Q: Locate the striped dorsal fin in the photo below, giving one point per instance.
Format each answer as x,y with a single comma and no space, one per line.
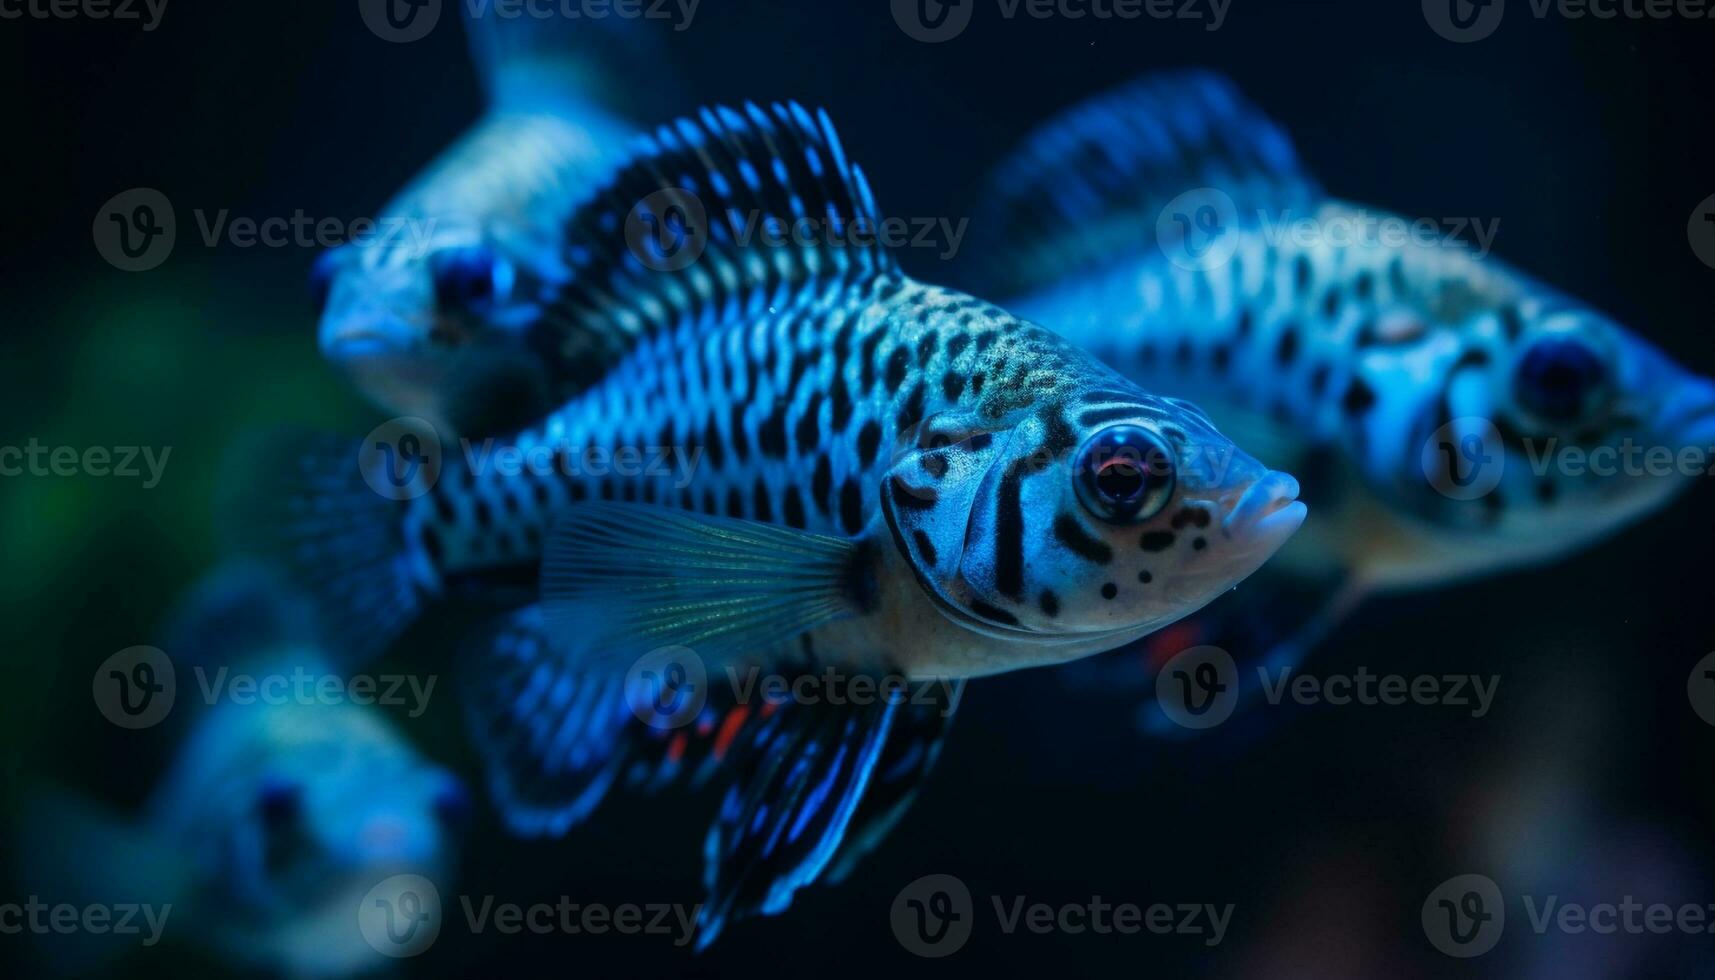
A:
718,218
1088,187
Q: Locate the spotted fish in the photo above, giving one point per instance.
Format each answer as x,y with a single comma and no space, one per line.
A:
275,818
1423,391
876,476
458,321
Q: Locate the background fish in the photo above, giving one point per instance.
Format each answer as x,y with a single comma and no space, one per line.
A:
274,820
1153,225
456,319
883,476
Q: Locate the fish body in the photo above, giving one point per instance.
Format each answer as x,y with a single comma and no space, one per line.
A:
802,459
1423,390
275,817
451,314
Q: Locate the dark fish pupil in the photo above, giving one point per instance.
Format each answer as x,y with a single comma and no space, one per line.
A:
1120,481
1557,379
464,277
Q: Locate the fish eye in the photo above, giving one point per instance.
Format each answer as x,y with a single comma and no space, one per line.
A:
1560,381
470,277
278,802
1124,474
321,278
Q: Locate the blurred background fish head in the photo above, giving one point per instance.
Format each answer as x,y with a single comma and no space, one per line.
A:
1555,427
1084,521
438,314
334,801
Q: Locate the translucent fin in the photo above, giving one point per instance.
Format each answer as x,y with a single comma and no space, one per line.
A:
299,502
912,748
550,736
779,827
621,580
556,741
240,612
1087,187
569,65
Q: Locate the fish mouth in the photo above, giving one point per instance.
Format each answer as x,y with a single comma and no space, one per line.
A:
1267,507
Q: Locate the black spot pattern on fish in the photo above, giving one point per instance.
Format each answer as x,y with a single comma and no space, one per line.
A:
952,385
851,506
1286,350
740,441
771,434
764,502
1359,398
809,425
1049,603
1157,540
714,448
992,614
898,363
868,443
1110,591
1070,533
925,547
792,508
840,404
822,484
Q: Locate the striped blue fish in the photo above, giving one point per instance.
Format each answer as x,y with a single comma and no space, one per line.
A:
867,474
1428,392
457,321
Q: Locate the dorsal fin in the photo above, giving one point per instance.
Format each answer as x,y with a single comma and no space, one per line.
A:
678,236
563,64
1087,187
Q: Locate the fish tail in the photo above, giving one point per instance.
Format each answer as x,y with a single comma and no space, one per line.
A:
300,502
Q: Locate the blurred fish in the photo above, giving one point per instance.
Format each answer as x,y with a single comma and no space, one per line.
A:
1426,394
872,474
468,330
273,821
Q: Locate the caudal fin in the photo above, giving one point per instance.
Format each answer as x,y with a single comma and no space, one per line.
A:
300,502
